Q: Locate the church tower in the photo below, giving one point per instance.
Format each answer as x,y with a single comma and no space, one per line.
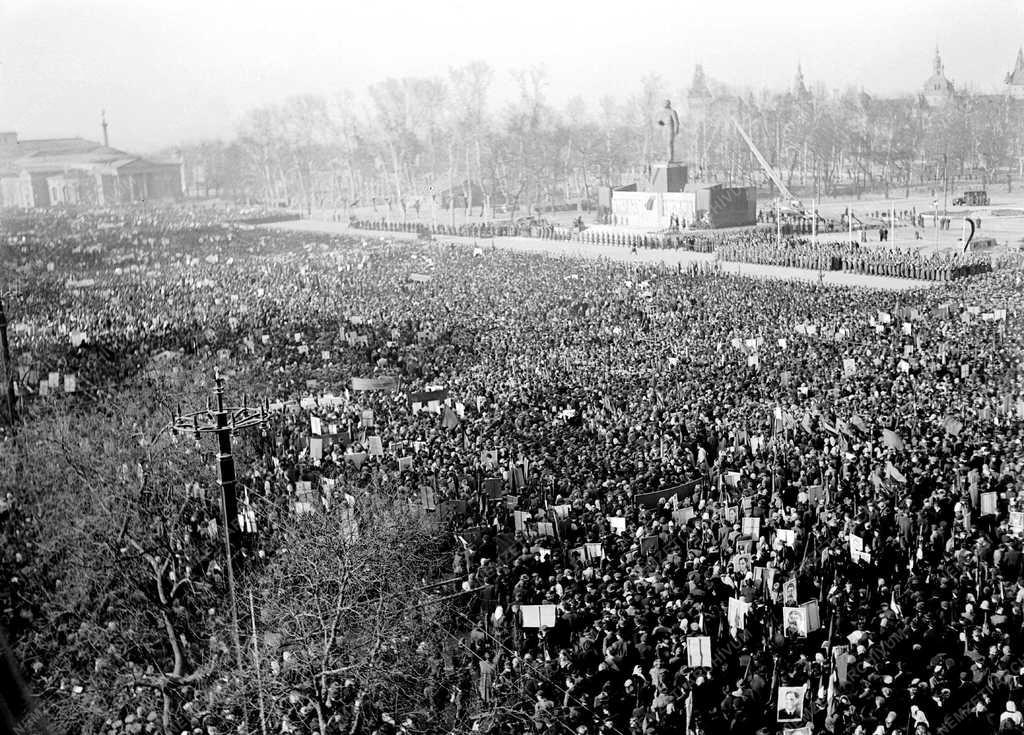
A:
1015,79
938,91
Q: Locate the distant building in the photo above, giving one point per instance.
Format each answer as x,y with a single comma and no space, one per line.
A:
937,91
800,91
699,97
1015,79
704,110
58,171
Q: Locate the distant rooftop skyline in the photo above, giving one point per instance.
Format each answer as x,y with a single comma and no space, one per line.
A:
169,73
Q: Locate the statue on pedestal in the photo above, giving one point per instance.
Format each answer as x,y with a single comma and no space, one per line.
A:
669,119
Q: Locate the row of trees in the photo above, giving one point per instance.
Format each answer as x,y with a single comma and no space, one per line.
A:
422,141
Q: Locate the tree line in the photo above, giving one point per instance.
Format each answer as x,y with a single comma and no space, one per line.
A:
442,143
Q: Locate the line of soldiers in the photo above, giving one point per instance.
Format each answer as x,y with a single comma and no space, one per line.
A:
659,240
901,265
850,257
473,229
809,255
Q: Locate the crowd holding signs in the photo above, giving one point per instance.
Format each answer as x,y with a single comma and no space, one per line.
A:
710,504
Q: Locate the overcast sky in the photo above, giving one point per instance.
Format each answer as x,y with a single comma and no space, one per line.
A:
180,70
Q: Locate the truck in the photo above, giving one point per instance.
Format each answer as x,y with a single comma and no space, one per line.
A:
972,199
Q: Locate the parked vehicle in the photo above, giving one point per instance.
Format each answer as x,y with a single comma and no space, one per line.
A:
972,199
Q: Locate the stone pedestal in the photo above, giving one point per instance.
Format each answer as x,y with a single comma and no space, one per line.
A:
669,177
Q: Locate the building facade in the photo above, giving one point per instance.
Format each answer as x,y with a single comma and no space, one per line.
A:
75,171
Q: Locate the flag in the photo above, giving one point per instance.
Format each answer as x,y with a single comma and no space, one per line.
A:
952,425
893,440
858,423
894,473
450,420
895,605
830,697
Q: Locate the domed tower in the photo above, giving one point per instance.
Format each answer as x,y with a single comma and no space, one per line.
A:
938,90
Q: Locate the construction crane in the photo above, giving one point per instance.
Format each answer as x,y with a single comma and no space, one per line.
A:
769,170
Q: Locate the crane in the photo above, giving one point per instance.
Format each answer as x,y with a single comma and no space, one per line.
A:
768,169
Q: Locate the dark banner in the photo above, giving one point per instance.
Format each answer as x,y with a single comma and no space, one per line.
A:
684,491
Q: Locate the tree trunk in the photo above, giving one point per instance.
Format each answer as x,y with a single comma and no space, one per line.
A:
179,664
467,187
396,168
451,184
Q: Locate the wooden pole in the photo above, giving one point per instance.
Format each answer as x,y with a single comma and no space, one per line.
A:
259,674
5,363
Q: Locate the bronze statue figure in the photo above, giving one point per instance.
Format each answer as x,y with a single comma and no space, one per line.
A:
669,119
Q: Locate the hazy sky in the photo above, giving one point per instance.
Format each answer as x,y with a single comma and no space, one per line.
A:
179,70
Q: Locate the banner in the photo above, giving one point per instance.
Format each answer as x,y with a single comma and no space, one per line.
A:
384,382
685,490
426,396
538,616
698,651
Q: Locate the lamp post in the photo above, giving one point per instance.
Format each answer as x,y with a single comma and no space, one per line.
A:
778,224
223,421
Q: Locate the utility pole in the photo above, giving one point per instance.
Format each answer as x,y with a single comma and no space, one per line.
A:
5,363
945,183
223,421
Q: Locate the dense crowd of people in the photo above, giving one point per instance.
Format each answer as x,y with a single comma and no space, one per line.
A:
674,501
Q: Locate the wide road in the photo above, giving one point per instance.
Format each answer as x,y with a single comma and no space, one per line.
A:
571,248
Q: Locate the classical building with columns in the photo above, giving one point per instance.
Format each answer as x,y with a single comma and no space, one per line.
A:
72,171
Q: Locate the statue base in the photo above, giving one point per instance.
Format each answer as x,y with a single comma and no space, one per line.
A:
668,177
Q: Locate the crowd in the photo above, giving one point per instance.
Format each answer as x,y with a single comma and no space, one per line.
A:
676,501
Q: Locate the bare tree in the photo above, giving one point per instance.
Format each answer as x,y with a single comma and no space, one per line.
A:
340,604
